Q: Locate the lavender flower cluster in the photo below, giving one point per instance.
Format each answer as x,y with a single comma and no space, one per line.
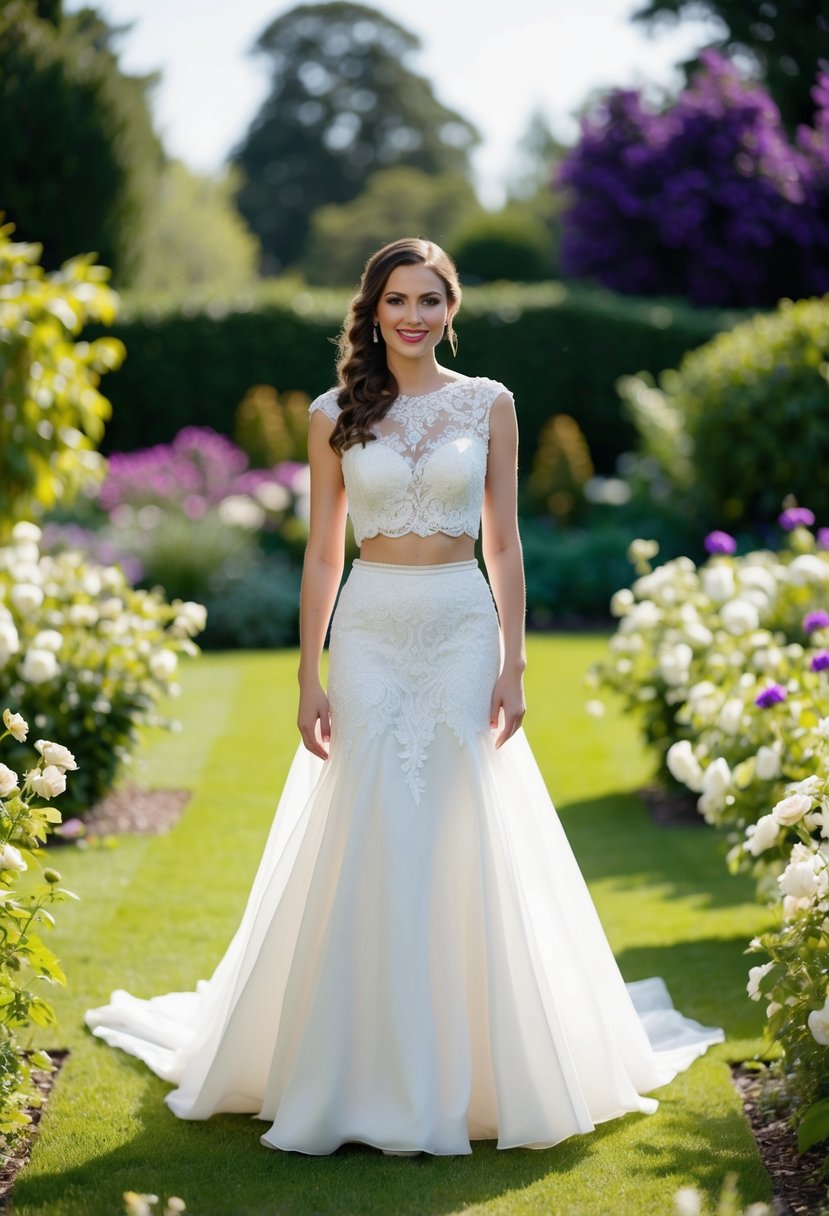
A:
708,199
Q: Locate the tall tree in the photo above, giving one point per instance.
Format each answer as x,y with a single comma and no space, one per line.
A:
80,160
343,104
785,41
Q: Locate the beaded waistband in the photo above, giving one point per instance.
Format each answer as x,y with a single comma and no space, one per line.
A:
431,568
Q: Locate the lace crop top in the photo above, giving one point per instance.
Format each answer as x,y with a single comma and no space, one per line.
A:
425,470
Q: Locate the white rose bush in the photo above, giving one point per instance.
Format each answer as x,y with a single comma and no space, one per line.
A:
728,664
26,962
87,658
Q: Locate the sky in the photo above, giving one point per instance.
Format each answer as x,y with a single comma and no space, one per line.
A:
494,61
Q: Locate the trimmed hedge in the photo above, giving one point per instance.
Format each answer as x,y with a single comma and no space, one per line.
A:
560,348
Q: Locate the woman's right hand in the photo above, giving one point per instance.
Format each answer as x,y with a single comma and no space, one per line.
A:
313,709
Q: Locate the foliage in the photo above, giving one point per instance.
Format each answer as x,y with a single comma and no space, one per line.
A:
66,105
571,572
511,245
707,199
51,413
199,239
540,339
86,657
786,43
26,962
257,609
343,103
401,199
722,426
561,469
271,429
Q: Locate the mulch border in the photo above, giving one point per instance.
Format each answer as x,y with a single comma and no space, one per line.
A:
14,1162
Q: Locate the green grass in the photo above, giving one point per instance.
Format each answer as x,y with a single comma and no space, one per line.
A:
156,914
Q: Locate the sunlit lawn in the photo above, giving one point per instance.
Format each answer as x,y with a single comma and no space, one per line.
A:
157,913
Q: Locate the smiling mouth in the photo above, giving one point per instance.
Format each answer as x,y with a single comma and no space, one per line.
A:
412,335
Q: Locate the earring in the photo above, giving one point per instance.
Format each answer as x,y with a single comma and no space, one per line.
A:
374,337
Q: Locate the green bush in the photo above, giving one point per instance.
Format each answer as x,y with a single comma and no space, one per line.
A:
745,420
259,610
560,348
511,245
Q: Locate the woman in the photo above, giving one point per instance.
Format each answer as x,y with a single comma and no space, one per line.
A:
419,963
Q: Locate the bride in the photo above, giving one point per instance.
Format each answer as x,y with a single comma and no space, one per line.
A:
419,964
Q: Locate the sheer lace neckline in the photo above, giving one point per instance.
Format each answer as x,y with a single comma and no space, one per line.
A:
432,392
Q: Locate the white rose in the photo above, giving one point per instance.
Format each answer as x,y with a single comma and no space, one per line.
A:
47,639
56,753
767,764
731,716
26,533
758,578
82,614
808,568
698,692
50,782
38,666
809,785
9,641
755,975
790,810
240,511
26,597
644,615
818,1022
792,905
697,633
762,834
8,780
739,617
642,550
823,728
91,583
621,602
798,879
11,859
718,582
16,724
191,617
715,782
595,708
674,663
163,664
684,766
687,1201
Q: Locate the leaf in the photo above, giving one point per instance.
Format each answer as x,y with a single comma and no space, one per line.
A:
814,1126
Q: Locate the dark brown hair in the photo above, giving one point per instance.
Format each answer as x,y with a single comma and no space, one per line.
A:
367,385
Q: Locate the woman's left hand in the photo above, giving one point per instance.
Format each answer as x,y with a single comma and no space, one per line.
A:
507,696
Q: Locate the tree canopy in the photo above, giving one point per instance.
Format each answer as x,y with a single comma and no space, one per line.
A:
785,41
343,104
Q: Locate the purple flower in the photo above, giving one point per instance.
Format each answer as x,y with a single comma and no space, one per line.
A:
823,538
815,620
720,542
773,695
796,517
820,661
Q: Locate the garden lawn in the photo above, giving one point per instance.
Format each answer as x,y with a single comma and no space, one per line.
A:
156,914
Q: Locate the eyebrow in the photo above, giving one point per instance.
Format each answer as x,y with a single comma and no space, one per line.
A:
435,291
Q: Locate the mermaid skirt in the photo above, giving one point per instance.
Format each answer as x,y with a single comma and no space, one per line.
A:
419,963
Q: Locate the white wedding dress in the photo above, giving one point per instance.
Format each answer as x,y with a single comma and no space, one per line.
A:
420,963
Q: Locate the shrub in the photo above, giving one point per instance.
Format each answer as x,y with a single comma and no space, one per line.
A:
271,429
255,610
86,657
52,415
26,962
512,245
707,199
745,419
561,469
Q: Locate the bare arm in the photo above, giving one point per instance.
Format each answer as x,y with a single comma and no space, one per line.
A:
505,563
321,573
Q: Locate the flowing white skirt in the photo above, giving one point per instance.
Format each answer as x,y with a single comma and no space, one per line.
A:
420,963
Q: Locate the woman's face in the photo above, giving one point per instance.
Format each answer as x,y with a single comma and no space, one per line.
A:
412,311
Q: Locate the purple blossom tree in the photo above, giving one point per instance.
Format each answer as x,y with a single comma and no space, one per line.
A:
708,199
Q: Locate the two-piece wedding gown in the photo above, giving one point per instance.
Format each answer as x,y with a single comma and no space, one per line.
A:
420,963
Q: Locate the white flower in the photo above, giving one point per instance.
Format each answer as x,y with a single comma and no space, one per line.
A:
642,550
621,602
792,905
762,834
739,617
700,691
191,618
718,582
38,666
273,497
759,578
755,975
9,641
716,779
697,633
16,724
790,810
767,763
809,785
49,782
595,708
684,766
808,568
674,663
26,597
731,716
238,510
163,664
823,728
11,859
8,780
799,879
55,753
818,1022
82,614
644,615
26,533
48,639
687,1201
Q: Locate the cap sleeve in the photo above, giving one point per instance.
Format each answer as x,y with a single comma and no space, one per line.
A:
327,402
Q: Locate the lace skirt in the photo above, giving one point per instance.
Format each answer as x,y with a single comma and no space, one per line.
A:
420,963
